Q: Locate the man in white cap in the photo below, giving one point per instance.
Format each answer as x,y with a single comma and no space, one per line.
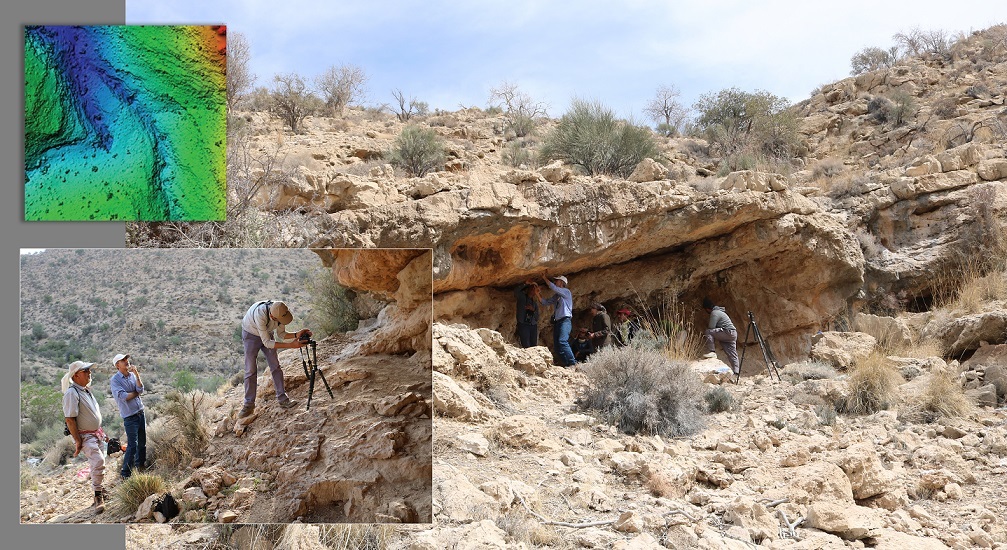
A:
562,320
126,389
83,419
264,328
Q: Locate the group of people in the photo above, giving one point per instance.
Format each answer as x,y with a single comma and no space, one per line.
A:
83,419
586,340
263,328
601,333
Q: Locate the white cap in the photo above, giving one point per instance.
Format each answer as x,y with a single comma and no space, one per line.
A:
72,370
561,278
119,357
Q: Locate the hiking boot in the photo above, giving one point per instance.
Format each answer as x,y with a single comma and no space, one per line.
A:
99,502
710,355
288,403
246,410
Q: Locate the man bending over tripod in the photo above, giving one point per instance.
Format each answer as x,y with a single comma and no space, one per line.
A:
262,321
722,330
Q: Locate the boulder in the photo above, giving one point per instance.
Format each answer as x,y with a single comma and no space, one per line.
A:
842,350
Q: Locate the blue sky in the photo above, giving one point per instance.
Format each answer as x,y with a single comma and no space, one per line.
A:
451,53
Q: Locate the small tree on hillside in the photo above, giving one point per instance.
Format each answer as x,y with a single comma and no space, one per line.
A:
667,113
735,121
408,108
418,150
239,77
871,59
340,86
519,107
591,137
291,99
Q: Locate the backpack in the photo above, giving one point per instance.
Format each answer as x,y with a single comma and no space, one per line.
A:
167,505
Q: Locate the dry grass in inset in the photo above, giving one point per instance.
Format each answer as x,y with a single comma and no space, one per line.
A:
943,398
670,324
659,485
922,349
352,537
131,493
873,386
796,373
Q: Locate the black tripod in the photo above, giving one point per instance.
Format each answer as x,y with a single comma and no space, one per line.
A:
767,353
309,362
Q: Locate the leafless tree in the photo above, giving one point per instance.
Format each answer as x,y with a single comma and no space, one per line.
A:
519,107
239,78
918,42
341,85
292,101
407,108
666,111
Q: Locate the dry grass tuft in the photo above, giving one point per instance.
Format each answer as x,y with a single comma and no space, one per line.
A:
353,537
660,486
131,493
943,398
873,386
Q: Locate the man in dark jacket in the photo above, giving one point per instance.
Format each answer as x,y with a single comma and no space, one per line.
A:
722,330
601,327
527,313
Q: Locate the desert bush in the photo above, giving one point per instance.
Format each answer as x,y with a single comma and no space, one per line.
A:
942,398
184,381
718,400
418,150
406,109
868,243
669,328
848,186
520,108
135,489
45,439
795,373
340,86
291,100
517,153
331,303
41,407
826,414
590,137
239,76
166,448
734,121
184,415
642,391
29,480
871,59
918,42
827,168
665,110
352,537
872,386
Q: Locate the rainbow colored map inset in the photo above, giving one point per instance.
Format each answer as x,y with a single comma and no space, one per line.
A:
125,123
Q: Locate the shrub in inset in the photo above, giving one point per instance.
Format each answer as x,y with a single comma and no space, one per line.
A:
58,453
345,537
589,136
331,303
418,150
871,59
517,153
642,391
872,386
131,493
184,415
719,400
41,406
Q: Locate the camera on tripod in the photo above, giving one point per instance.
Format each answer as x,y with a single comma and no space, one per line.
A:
309,362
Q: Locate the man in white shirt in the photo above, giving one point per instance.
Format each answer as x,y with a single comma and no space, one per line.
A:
264,328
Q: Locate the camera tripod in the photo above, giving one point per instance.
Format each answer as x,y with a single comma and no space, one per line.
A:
767,353
309,362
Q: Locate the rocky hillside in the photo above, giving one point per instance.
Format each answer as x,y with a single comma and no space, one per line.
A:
865,218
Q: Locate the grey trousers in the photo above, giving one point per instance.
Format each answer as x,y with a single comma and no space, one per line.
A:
728,341
252,346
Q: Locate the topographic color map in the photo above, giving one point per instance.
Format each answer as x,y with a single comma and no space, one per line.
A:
125,123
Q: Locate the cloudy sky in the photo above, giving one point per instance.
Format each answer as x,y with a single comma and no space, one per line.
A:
451,53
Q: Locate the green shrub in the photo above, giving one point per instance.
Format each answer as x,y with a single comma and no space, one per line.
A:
42,406
516,153
185,381
589,136
641,391
418,150
719,400
871,59
183,413
734,121
331,303
826,414
131,493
